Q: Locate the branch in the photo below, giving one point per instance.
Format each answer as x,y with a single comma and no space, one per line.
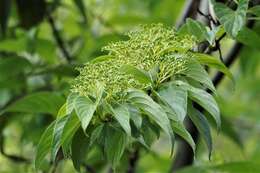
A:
189,11
132,162
14,158
60,42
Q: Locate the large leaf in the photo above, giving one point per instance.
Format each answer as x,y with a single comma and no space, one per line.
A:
85,109
79,149
115,143
176,98
122,115
204,99
152,109
70,103
57,134
233,21
197,72
135,116
202,125
70,128
213,62
180,130
44,146
41,102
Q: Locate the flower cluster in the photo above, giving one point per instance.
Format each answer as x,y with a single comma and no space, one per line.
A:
147,47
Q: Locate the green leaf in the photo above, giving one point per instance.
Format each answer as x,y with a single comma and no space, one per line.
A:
180,129
238,167
121,114
70,128
85,109
152,109
44,146
18,65
202,125
70,103
102,58
176,98
197,29
227,128
197,72
96,133
57,134
233,21
249,37
135,116
214,63
204,99
255,10
41,102
79,147
115,143
139,74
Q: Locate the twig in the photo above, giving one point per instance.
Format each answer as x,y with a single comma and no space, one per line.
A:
58,39
189,10
88,168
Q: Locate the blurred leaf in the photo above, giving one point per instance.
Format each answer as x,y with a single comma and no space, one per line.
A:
249,37
238,167
14,45
41,102
255,10
17,64
227,128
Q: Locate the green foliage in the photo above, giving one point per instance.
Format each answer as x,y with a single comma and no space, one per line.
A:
144,80
233,21
131,93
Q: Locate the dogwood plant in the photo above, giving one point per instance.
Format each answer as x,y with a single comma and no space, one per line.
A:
143,87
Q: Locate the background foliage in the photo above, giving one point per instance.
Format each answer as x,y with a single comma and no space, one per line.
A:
42,42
